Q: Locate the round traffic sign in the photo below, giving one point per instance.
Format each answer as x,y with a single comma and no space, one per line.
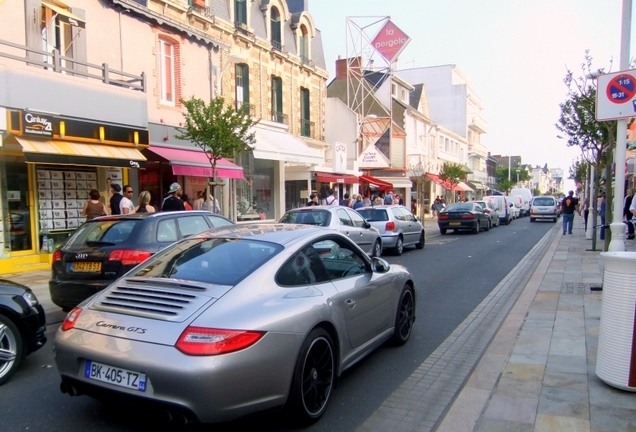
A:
621,89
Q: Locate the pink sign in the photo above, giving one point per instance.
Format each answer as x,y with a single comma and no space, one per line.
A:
390,41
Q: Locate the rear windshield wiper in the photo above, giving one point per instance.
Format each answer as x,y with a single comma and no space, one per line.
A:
99,243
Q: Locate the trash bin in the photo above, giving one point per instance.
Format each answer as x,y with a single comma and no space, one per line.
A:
616,357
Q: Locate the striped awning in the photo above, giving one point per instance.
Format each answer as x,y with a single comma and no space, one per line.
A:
73,153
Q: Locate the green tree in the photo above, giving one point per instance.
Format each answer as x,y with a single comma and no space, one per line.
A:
501,177
218,129
578,173
536,192
452,174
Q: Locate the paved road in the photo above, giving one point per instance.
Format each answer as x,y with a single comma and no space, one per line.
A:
454,273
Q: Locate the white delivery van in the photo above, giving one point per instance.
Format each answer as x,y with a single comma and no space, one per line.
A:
503,207
526,196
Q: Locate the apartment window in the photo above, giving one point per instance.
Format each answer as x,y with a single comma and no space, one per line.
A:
166,72
277,99
242,86
302,42
275,29
240,12
393,90
305,124
62,30
404,99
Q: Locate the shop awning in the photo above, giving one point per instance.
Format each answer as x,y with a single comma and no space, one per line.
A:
195,163
335,178
476,184
72,153
282,146
460,187
64,15
398,182
376,182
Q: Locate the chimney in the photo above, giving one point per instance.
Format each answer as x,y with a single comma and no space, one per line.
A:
341,67
298,5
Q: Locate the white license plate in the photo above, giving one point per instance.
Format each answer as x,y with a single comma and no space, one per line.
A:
116,376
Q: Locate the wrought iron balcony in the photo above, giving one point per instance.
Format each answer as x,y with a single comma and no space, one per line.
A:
277,46
307,128
306,60
206,11
247,108
280,117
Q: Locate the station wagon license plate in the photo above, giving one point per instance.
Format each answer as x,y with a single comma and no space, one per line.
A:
455,223
86,267
114,375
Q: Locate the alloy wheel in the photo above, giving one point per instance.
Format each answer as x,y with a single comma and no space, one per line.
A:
317,376
9,349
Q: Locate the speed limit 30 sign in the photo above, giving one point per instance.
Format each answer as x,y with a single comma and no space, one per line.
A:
616,96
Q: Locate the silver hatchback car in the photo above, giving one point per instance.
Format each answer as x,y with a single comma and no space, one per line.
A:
544,207
397,225
343,219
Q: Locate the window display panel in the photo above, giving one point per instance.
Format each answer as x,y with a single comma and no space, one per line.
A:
61,197
255,196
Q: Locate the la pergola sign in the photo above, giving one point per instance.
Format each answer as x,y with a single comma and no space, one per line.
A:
390,41
616,96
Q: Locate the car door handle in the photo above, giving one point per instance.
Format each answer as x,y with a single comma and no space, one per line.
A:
349,304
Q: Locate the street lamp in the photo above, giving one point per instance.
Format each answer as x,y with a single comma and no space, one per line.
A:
518,171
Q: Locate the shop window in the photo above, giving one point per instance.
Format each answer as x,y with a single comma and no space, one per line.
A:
255,194
14,187
242,87
277,100
167,72
275,29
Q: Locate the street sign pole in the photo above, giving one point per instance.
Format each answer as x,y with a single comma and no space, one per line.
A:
618,227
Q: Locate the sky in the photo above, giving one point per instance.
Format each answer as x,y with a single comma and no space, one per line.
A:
515,55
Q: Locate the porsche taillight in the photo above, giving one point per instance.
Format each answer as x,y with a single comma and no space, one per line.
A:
71,319
203,341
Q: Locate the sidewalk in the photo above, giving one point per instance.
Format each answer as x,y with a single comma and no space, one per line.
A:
538,372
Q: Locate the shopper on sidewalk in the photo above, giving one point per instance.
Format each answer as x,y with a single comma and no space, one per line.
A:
568,206
628,214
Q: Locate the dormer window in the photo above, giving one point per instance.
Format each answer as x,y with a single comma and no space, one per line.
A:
303,41
275,29
240,12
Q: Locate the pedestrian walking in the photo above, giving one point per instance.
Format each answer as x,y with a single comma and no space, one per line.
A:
185,200
198,203
628,214
143,204
358,202
331,199
173,202
126,205
115,199
569,205
94,207
313,200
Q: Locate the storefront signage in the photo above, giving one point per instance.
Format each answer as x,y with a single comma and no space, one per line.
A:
35,124
339,157
372,158
390,41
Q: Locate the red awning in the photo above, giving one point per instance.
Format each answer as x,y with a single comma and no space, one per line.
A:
336,178
446,184
196,163
372,181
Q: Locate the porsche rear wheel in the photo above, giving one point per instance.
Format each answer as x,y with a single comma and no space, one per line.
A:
404,317
314,377
10,348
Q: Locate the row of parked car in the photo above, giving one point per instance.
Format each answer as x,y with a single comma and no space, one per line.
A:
482,215
155,299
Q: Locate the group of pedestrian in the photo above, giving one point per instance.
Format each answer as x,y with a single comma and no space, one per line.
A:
438,205
356,201
121,202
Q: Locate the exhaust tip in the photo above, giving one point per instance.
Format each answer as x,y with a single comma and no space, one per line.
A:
68,389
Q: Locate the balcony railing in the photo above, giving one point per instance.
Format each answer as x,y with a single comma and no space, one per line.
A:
306,60
277,46
206,11
307,128
279,117
56,62
247,108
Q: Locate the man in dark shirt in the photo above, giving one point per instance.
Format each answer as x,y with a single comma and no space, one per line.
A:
568,206
173,202
115,189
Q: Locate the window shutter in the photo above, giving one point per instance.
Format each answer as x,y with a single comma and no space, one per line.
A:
246,85
33,21
79,42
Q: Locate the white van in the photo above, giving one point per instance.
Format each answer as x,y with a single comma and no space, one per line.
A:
526,196
502,205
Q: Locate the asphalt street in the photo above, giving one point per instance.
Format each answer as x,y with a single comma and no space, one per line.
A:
453,274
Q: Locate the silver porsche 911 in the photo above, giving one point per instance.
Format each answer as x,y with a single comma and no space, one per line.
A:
236,320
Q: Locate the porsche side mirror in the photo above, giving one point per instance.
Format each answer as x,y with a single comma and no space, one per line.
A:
380,265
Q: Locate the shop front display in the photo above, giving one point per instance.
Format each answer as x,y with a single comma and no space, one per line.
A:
255,195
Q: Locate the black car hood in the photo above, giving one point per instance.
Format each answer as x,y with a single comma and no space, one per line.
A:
12,288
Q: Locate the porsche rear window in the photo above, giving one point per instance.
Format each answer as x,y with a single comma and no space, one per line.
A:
319,217
216,261
106,232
